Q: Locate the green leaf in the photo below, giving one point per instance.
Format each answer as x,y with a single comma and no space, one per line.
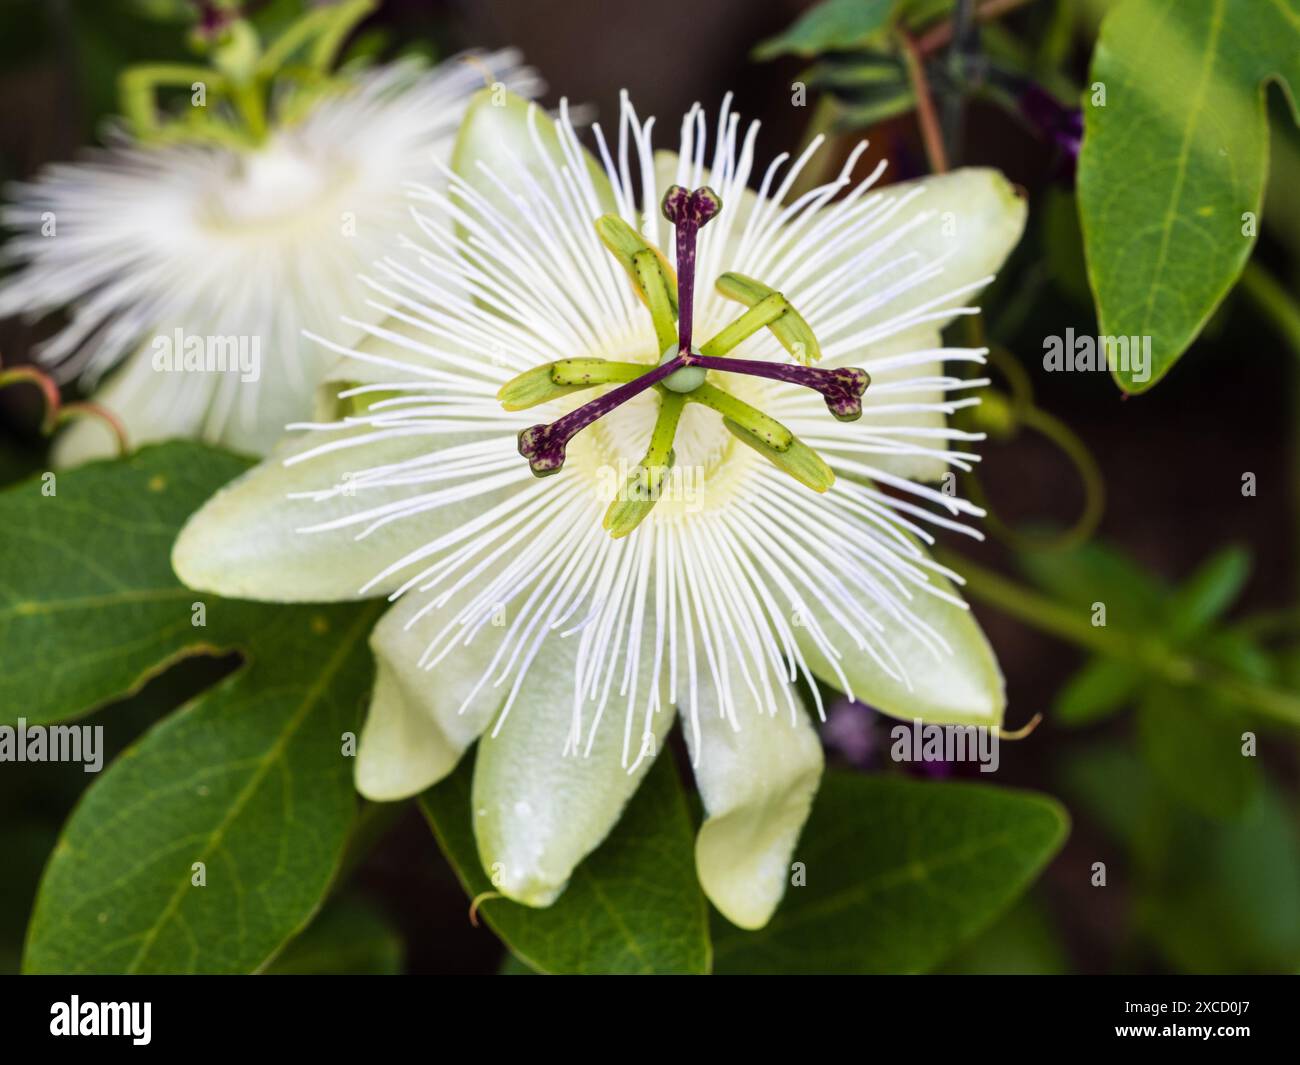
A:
512,966
867,87
1099,690
249,779
1202,599
85,570
1062,245
633,906
1096,573
1195,750
349,938
832,25
1229,901
1110,784
1215,896
1023,942
899,874
869,108
1176,160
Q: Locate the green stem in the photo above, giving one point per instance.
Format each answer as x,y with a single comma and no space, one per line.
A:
1272,299
926,116
1094,489
661,438
1071,625
1276,304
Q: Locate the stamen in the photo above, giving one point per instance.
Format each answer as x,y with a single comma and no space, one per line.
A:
688,211
789,327
763,427
555,379
768,437
641,489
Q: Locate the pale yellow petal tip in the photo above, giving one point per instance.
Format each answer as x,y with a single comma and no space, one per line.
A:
747,897
1012,198
743,913
377,787
378,784
394,761
1013,195
526,887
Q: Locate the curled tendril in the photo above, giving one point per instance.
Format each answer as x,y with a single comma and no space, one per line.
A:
1004,417
56,412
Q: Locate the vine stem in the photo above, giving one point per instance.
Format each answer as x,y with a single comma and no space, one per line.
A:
1046,615
926,115
1277,305
941,35
1269,295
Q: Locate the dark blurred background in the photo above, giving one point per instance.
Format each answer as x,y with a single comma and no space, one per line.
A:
1172,459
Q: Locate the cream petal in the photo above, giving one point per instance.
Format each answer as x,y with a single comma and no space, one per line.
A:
247,541
969,220
964,686
539,811
497,138
377,360
415,732
757,782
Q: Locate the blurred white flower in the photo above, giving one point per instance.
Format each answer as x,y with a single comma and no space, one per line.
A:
239,243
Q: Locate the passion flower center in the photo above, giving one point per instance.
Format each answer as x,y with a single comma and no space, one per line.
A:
681,374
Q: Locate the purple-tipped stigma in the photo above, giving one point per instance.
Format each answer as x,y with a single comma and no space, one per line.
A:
688,211
842,388
544,445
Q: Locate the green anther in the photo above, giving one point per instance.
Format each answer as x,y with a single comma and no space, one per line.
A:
641,490
137,87
624,243
789,327
583,373
763,313
764,429
556,379
798,460
653,285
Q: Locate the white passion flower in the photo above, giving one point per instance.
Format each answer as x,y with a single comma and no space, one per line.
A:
714,536
198,250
